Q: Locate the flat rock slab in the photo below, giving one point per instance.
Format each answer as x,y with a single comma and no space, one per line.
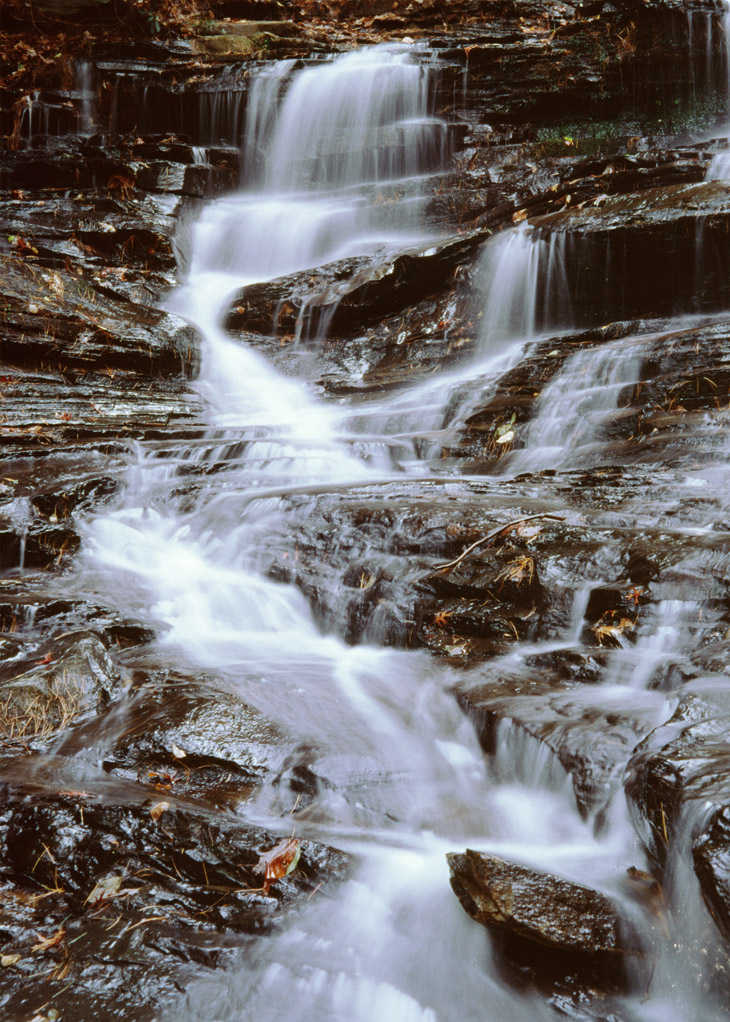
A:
247,28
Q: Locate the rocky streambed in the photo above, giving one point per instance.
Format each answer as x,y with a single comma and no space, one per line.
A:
449,574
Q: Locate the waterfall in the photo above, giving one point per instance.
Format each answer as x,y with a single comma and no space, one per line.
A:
391,943
719,168
85,89
526,288
578,406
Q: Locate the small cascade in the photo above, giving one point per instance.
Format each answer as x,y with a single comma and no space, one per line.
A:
262,107
679,989
520,758
221,116
87,96
665,632
44,116
577,408
526,287
719,168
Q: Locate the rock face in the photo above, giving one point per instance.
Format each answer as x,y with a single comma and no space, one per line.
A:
544,920
665,251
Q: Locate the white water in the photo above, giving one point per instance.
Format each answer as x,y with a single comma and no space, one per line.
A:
578,405
85,88
392,943
719,168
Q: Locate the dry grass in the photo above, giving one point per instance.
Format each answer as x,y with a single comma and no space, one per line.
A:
24,715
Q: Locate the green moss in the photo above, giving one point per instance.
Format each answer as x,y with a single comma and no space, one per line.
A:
594,137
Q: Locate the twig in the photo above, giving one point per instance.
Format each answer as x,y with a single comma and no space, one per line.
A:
493,535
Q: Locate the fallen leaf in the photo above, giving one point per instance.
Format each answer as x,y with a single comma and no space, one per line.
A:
6,960
158,809
108,888
505,437
178,753
278,862
44,943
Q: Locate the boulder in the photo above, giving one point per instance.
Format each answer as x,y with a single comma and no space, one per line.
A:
543,923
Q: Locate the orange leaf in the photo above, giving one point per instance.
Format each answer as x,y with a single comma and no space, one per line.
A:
44,943
278,862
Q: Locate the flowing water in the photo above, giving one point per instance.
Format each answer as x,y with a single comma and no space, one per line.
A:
392,942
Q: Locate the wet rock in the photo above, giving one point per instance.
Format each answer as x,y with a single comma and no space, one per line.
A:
75,677
678,777
665,250
592,734
196,742
679,796
711,854
52,316
347,295
118,881
546,924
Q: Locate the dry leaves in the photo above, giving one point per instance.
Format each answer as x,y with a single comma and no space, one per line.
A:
45,943
158,809
278,862
107,889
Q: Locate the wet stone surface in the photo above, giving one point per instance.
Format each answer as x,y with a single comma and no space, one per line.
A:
101,886
547,924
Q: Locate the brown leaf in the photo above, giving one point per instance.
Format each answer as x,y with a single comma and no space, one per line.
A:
108,888
278,862
158,809
44,943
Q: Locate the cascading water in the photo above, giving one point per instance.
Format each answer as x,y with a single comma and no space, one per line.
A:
576,407
85,88
719,168
393,943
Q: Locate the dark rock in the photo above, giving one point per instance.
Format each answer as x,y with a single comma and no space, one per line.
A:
176,889
57,318
678,766
345,296
665,250
548,924
186,737
711,854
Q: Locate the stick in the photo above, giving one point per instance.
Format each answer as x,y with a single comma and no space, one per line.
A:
493,535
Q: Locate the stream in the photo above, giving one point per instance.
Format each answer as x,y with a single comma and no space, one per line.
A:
336,154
